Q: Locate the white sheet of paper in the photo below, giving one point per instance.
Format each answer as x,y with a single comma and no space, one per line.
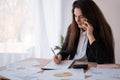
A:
63,74
13,76
101,78
25,64
18,70
104,73
63,65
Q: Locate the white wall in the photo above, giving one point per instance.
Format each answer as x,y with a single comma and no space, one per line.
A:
66,15
111,11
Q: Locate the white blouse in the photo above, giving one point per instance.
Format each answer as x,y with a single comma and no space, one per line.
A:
82,46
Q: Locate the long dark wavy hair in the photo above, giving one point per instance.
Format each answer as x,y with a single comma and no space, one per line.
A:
96,18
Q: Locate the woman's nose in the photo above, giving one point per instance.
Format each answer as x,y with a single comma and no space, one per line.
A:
78,20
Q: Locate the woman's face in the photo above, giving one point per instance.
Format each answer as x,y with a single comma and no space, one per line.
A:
79,18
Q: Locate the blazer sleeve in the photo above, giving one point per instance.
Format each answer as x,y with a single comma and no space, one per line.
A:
98,51
63,52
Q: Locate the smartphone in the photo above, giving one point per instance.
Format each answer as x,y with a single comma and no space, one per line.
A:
79,66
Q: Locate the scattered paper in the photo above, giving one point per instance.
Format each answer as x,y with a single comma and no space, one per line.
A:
101,78
19,70
113,74
63,74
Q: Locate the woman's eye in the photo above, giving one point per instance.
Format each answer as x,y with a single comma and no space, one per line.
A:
81,17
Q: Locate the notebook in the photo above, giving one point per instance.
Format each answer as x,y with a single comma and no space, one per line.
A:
63,65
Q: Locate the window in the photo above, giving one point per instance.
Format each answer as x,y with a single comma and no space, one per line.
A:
16,26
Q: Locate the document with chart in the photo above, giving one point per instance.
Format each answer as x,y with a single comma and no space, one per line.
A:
63,74
106,73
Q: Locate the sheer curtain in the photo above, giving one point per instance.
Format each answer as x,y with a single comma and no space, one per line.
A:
28,28
50,26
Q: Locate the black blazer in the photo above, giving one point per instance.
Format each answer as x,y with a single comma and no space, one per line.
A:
96,52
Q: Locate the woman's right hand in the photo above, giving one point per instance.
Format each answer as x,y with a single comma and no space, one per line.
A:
57,59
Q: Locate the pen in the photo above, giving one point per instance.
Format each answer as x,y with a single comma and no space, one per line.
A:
53,51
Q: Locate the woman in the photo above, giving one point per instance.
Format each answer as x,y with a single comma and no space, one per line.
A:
89,36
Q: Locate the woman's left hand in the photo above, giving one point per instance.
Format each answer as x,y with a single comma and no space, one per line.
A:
89,29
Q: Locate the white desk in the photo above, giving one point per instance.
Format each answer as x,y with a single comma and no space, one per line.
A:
43,62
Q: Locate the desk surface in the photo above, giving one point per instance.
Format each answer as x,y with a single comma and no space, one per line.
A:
43,62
